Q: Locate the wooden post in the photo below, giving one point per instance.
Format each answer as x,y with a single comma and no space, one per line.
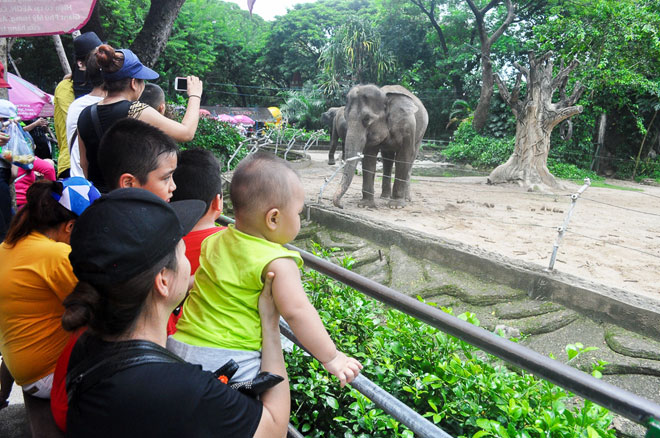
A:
59,48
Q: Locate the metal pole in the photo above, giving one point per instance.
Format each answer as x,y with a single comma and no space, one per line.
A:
59,48
561,230
422,427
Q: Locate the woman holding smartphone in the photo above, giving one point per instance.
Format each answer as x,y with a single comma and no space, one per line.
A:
124,77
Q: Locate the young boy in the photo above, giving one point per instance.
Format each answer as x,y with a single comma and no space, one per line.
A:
154,96
135,154
221,320
198,176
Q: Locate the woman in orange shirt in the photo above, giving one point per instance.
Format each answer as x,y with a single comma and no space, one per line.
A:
36,276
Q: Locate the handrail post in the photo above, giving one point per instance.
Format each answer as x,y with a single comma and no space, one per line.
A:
562,229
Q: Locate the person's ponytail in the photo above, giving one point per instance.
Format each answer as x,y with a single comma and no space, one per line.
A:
80,306
40,213
108,59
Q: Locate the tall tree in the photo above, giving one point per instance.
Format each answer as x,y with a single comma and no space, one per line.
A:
152,38
481,112
536,117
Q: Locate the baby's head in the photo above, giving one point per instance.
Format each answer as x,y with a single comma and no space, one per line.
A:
267,197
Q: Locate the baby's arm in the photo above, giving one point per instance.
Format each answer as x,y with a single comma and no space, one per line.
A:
293,305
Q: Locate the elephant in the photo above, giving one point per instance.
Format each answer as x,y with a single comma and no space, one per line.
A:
392,121
334,119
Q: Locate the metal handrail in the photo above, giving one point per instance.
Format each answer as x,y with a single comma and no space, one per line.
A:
422,427
620,401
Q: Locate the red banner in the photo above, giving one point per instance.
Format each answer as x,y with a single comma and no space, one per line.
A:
21,18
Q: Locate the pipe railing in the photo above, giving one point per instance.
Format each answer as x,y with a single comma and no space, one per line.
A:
620,401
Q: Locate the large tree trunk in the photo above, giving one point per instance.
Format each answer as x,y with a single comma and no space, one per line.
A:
94,23
536,117
151,40
483,107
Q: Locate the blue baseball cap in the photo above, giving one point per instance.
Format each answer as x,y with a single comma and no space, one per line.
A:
132,68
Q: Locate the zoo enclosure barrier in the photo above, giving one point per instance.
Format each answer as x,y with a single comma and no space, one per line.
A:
620,401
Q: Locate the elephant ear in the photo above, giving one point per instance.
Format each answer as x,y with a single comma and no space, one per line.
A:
400,106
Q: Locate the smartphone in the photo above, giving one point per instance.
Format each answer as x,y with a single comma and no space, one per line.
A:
181,84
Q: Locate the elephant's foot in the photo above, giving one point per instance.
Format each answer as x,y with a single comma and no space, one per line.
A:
396,203
367,203
331,161
386,195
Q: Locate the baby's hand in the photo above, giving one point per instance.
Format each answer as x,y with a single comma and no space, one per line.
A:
344,368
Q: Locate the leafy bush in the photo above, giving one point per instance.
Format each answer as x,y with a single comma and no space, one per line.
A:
220,138
647,168
462,390
301,134
571,171
476,150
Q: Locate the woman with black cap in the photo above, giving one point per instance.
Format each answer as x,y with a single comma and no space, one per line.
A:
124,77
130,260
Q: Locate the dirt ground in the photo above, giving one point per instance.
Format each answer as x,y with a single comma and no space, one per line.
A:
613,237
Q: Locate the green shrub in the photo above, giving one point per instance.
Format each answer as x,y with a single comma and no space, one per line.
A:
476,150
647,168
219,137
571,171
301,135
465,392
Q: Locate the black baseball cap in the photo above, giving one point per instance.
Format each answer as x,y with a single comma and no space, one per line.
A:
85,43
127,232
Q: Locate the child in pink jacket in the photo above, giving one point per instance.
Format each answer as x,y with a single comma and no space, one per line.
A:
25,178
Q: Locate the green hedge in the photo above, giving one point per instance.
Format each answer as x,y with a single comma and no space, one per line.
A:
220,138
461,389
479,151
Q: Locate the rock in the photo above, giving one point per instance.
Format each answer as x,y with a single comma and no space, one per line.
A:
490,294
631,344
525,309
551,322
368,255
506,331
408,274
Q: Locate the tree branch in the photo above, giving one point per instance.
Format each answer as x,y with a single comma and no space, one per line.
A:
431,14
510,15
510,98
561,115
562,76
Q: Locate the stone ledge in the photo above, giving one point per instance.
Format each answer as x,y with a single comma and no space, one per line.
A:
597,301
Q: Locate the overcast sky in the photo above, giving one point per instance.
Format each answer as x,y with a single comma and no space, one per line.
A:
268,9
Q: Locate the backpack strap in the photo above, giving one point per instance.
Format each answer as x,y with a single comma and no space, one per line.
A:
96,121
121,356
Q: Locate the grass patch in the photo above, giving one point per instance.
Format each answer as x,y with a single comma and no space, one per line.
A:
605,185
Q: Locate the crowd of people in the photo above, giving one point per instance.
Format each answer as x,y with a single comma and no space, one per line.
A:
126,310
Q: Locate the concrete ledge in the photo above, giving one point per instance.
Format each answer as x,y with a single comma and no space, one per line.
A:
599,302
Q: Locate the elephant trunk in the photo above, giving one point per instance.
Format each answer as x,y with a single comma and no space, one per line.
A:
355,141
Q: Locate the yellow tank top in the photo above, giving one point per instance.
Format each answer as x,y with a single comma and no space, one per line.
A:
221,310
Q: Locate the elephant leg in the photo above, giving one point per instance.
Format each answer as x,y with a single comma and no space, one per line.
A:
388,162
402,172
368,174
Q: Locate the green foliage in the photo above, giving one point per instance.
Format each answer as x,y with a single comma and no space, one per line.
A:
219,137
468,146
571,171
466,393
304,107
647,168
354,55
